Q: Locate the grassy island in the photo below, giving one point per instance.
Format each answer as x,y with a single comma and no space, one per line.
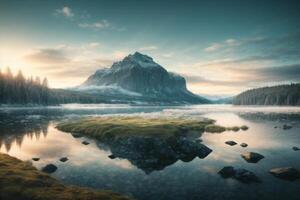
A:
108,127
20,180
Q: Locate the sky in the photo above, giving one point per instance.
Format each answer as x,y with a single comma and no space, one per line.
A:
220,47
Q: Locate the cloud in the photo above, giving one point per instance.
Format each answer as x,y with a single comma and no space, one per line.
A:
94,44
148,48
102,24
65,11
47,56
213,47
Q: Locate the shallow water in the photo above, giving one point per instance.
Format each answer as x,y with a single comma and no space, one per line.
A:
30,132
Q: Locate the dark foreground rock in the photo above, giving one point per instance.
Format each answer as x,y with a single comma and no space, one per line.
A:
35,159
241,175
50,168
64,159
244,145
286,173
286,127
76,135
231,143
296,148
152,153
85,143
252,157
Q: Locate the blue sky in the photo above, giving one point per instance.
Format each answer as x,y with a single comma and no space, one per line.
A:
221,47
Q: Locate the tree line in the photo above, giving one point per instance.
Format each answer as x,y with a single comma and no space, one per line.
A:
19,90
276,95
16,89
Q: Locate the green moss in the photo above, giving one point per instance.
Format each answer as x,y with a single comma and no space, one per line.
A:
106,127
215,129
234,128
20,180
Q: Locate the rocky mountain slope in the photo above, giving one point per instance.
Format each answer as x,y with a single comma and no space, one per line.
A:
138,78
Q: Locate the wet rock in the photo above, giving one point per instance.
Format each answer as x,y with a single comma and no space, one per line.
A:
231,143
76,135
85,142
198,140
245,176
243,145
241,175
227,172
275,127
244,127
112,156
50,168
235,128
286,173
252,157
286,127
296,148
64,159
35,159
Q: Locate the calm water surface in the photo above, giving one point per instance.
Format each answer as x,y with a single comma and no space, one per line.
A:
30,132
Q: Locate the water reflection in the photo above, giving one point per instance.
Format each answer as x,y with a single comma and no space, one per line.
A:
157,169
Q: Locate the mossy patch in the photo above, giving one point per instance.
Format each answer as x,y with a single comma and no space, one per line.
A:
20,180
111,127
215,129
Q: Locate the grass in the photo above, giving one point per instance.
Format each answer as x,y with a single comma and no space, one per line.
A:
21,181
215,128
111,127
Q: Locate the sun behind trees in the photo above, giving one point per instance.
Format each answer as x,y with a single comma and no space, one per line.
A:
19,90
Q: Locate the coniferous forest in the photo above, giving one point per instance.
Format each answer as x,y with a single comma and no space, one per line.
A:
16,89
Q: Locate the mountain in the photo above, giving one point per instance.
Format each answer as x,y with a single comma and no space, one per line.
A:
137,78
276,95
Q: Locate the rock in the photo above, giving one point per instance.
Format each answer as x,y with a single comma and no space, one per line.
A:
227,172
231,143
64,159
287,173
85,143
235,128
243,145
50,168
198,140
76,135
35,159
244,127
286,127
252,157
112,156
242,175
275,127
296,148
245,176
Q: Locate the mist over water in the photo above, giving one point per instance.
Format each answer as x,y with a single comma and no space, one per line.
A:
30,132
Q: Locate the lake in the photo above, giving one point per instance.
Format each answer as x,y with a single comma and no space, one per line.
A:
30,132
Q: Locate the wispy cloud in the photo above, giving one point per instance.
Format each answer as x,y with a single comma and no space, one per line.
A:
47,56
213,47
148,48
65,11
102,24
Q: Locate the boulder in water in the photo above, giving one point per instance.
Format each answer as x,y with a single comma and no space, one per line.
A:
50,168
231,143
252,157
286,173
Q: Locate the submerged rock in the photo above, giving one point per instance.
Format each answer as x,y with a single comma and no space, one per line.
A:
227,172
296,148
35,159
85,142
241,175
50,168
231,143
252,157
286,127
287,173
243,145
64,159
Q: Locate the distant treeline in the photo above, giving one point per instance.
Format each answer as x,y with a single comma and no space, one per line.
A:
19,90
276,95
